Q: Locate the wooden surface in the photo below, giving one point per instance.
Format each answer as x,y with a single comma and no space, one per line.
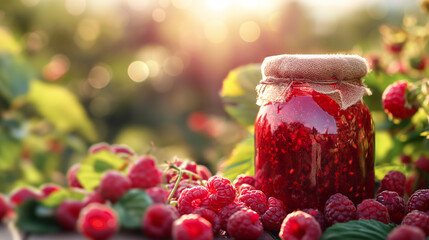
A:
6,234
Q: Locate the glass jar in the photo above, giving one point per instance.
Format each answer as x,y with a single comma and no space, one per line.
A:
314,135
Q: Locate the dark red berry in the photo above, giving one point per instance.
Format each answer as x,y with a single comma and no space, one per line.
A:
394,203
185,165
406,232
158,220
245,225
158,194
184,184
226,212
418,219
243,178
339,209
113,185
419,201
370,209
405,159
22,194
272,218
144,174
72,178
49,188
192,227
93,197
4,207
245,187
203,172
318,215
98,222
255,200
395,101
221,192
422,163
210,216
192,198
393,181
300,225
67,214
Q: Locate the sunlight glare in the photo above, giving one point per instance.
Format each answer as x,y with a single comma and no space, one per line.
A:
249,31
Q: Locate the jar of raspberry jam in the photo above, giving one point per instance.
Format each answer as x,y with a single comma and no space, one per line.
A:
314,135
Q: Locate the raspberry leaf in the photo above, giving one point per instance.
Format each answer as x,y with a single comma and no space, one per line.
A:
56,198
241,159
132,207
358,229
33,217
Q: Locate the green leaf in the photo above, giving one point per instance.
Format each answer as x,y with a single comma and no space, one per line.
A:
93,167
10,150
33,217
56,198
7,42
15,76
358,229
380,171
241,159
62,108
239,94
131,208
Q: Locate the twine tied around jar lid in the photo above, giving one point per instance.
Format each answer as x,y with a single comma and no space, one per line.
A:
338,76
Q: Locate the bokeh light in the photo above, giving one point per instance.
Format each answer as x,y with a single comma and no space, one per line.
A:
249,31
138,71
99,76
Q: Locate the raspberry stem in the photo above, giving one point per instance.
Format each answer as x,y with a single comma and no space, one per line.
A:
172,166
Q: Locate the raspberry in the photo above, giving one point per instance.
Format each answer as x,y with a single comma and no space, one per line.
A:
422,163
98,222
406,232
71,176
193,198
245,225
192,227
203,172
158,220
113,185
67,214
226,212
419,201
184,184
393,181
158,194
243,178
186,165
272,218
93,197
300,225
122,150
4,207
210,216
418,219
340,209
22,194
394,203
395,101
371,209
255,200
405,159
318,215
49,188
98,147
221,192
245,187
144,174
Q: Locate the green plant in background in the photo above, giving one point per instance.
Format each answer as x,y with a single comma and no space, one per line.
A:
42,125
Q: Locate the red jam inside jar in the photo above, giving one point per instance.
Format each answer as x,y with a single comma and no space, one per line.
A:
308,148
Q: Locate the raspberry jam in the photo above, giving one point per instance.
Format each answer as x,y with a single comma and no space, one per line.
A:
308,148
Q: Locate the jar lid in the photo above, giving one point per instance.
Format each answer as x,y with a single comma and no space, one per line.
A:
348,68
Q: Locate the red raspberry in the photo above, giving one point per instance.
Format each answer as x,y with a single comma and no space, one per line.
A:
418,219
71,176
93,197
185,165
203,172
98,222
98,147
371,209
318,215
122,150
113,185
144,174
22,194
67,214
395,101
255,200
4,207
245,225
192,227
300,225
245,187
158,194
406,232
340,209
221,192
393,181
419,201
226,212
210,216
193,198
272,218
184,184
243,178
405,159
158,220
49,188
422,163
394,203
